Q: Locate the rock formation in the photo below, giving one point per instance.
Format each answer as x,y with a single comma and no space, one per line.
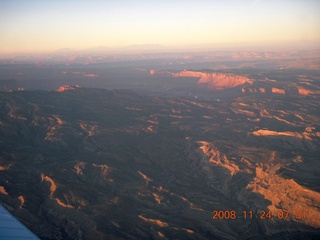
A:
216,81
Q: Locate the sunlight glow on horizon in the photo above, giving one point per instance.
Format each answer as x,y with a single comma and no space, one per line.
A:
35,26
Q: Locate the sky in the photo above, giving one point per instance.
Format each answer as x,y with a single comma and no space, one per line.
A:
48,25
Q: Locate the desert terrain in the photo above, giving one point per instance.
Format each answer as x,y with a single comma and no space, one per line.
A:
149,148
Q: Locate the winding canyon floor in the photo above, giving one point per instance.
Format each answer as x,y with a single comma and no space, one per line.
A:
98,164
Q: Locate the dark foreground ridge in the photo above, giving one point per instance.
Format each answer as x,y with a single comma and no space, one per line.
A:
100,164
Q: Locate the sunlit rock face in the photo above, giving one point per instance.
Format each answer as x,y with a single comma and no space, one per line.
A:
278,90
100,164
64,88
213,81
303,91
217,81
245,83
291,90
287,194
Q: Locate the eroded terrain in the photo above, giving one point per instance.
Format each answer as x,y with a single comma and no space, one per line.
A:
84,163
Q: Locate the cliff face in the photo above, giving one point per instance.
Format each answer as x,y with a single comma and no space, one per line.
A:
303,91
309,134
216,81
213,81
249,85
289,90
216,158
286,196
64,88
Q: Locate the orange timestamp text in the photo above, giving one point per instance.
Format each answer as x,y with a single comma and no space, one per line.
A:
262,214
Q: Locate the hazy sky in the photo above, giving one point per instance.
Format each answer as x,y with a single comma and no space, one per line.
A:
48,25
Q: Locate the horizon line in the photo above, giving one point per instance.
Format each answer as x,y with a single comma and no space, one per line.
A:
160,48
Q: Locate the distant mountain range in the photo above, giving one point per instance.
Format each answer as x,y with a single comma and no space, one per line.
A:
134,47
